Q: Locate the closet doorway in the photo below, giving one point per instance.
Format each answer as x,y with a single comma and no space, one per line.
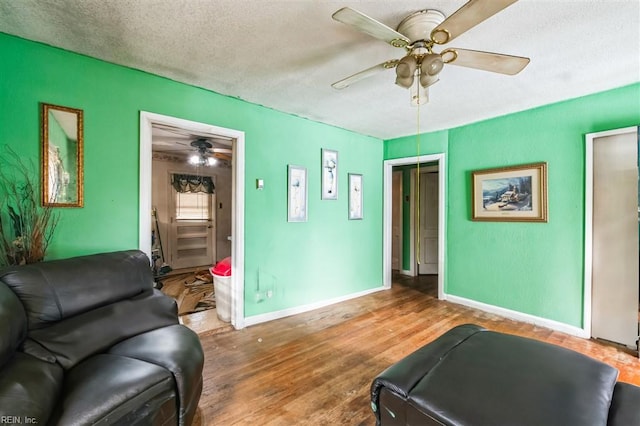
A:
611,236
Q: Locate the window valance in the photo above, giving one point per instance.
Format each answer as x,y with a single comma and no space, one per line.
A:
192,183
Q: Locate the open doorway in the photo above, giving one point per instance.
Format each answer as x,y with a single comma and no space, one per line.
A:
433,180
197,210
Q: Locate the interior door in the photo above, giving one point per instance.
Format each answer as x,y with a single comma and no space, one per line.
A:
192,237
396,222
614,314
427,252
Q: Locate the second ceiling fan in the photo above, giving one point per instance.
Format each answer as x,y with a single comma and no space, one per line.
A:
418,34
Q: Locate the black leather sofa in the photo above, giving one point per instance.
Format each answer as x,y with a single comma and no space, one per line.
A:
472,376
89,341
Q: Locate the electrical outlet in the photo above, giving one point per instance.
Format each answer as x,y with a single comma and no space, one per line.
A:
269,294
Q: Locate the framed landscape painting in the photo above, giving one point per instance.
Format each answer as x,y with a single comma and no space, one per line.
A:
515,193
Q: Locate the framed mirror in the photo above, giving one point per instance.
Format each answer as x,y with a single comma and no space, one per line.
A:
62,156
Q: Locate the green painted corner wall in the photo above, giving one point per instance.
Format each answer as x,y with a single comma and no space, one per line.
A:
301,263
533,268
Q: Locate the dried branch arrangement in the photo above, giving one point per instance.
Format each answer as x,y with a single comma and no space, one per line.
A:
26,228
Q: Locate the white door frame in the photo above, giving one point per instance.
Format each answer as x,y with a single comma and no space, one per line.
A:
387,236
147,119
588,221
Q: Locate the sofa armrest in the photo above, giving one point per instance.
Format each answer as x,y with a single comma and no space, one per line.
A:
178,349
29,389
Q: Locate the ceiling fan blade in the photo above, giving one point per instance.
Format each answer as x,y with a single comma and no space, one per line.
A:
346,82
189,134
222,156
487,61
161,140
370,26
222,150
467,17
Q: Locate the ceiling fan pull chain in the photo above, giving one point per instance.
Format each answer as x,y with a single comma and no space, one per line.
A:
418,181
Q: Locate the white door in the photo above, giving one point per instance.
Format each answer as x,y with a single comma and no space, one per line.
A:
192,230
396,222
615,239
427,249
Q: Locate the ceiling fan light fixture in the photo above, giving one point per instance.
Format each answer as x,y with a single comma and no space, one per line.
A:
211,161
406,67
431,64
427,80
194,159
405,82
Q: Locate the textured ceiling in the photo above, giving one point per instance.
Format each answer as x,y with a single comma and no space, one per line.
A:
284,54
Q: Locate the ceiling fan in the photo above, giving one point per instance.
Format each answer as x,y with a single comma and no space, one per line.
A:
206,149
206,154
418,34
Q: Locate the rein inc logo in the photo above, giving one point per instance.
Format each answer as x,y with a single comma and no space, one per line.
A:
18,420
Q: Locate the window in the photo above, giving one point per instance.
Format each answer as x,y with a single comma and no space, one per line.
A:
193,206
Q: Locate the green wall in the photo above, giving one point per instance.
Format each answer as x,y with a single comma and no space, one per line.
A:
534,268
328,256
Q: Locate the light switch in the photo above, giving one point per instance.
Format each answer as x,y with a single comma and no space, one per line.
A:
260,183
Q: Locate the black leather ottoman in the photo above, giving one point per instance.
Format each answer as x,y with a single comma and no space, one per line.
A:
472,376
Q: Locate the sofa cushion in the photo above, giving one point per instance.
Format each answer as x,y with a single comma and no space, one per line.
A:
29,389
73,339
54,290
13,323
625,407
105,388
178,349
501,379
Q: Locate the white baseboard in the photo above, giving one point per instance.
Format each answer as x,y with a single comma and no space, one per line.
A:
270,316
520,316
406,272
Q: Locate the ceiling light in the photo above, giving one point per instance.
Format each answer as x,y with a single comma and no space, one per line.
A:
431,64
405,71
427,80
202,160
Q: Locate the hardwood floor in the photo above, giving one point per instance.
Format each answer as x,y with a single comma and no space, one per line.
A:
316,368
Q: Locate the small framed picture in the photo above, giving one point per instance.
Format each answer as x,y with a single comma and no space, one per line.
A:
329,174
297,194
510,194
355,196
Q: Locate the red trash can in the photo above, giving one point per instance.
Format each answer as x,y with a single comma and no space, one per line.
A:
221,273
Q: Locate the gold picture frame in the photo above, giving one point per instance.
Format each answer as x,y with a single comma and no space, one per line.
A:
510,194
62,153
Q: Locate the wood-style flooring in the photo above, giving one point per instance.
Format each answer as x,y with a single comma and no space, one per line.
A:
316,368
